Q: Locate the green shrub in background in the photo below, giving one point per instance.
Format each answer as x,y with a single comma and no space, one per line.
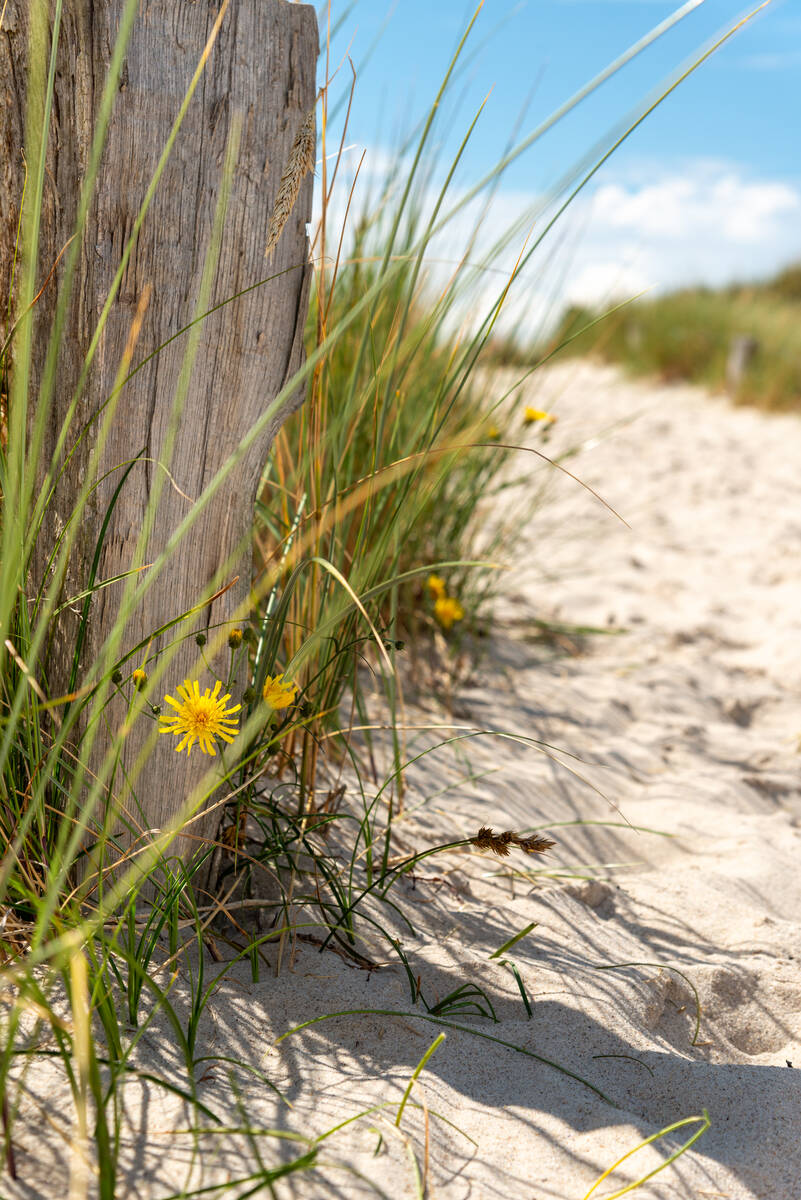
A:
690,335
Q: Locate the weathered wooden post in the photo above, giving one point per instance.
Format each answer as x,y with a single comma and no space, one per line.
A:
743,349
261,72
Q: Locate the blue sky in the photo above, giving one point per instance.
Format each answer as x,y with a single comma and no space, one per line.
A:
708,189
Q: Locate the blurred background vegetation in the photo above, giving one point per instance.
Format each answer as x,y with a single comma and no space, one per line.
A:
742,339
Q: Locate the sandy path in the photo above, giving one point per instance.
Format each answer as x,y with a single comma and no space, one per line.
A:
687,721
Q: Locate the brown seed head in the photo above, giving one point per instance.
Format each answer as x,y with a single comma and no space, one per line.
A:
536,844
499,843
299,163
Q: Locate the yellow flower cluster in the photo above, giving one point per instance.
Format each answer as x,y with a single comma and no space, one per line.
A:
436,586
203,718
447,610
277,694
537,414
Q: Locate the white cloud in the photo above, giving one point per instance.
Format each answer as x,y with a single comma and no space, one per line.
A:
677,207
643,228
705,223
654,209
779,60
597,282
702,222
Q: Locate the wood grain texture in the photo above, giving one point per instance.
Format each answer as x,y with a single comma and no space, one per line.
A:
263,68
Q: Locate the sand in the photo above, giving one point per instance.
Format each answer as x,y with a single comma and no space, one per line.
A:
684,719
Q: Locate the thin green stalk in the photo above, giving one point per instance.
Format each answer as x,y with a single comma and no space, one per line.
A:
440,1038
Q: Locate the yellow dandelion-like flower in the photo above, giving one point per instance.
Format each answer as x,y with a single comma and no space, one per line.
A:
436,586
494,433
235,639
199,718
536,414
448,611
277,694
139,678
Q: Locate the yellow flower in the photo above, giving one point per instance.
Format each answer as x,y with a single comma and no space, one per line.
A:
494,433
448,611
536,414
235,639
436,586
278,694
200,718
139,678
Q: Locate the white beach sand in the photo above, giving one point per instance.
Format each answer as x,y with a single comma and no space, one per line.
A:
686,722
